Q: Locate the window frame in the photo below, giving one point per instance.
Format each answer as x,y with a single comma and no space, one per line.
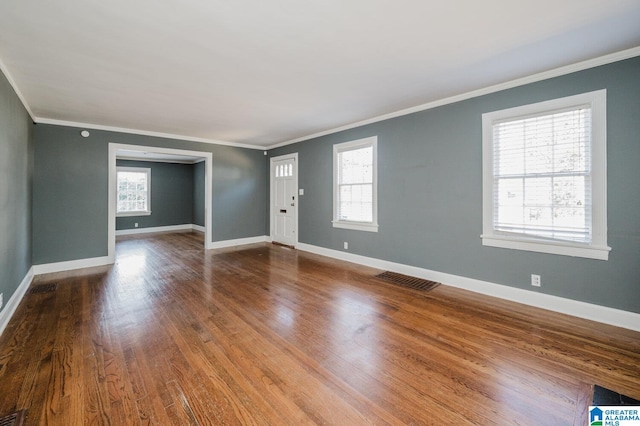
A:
145,170
597,248
351,146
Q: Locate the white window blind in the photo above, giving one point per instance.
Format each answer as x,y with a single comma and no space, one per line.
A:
355,204
355,183
133,186
542,175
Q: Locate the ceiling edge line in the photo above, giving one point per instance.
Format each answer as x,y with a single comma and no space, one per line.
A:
41,120
544,75
15,88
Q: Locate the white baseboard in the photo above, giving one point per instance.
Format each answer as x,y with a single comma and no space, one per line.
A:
169,228
575,308
198,228
238,242
69,265
12,304
48,268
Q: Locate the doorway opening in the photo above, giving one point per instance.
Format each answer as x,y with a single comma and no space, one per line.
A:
124,151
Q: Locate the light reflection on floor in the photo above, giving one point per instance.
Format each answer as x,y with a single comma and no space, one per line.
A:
134,300
131,264
285,316
355,325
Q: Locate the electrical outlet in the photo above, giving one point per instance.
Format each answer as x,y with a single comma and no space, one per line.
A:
1,300
135,225
535,280
346,245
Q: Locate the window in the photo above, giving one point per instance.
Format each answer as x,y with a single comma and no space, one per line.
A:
544,183
355,203
284,170
134,191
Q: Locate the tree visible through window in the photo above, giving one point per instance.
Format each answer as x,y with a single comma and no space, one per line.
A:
133,191
544,176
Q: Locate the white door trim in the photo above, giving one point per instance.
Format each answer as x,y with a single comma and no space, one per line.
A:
272,161
113,149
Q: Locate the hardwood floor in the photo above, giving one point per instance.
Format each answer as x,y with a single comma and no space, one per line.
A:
262,334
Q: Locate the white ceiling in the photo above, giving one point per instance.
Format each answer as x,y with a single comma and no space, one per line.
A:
261,73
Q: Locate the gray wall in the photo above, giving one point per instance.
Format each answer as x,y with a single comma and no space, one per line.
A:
16,166
430,193
70,190
171,195
197,217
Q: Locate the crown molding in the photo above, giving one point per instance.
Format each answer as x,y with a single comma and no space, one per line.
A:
568,69
17,91
40,120
545,75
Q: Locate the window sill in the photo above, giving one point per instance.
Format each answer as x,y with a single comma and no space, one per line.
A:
131,214
550,247
358,226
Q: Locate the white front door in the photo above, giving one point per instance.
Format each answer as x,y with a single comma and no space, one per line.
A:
284,199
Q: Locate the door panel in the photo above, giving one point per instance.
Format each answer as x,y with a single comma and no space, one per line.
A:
284,201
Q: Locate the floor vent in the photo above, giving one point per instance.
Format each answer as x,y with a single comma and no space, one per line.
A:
14,419
407,281
42,288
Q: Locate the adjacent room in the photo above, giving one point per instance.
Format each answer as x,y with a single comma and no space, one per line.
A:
326,212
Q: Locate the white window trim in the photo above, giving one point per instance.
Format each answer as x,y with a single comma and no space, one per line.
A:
348,146
598,248
137,170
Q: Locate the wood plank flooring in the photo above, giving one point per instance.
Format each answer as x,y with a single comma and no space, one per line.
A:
262,334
